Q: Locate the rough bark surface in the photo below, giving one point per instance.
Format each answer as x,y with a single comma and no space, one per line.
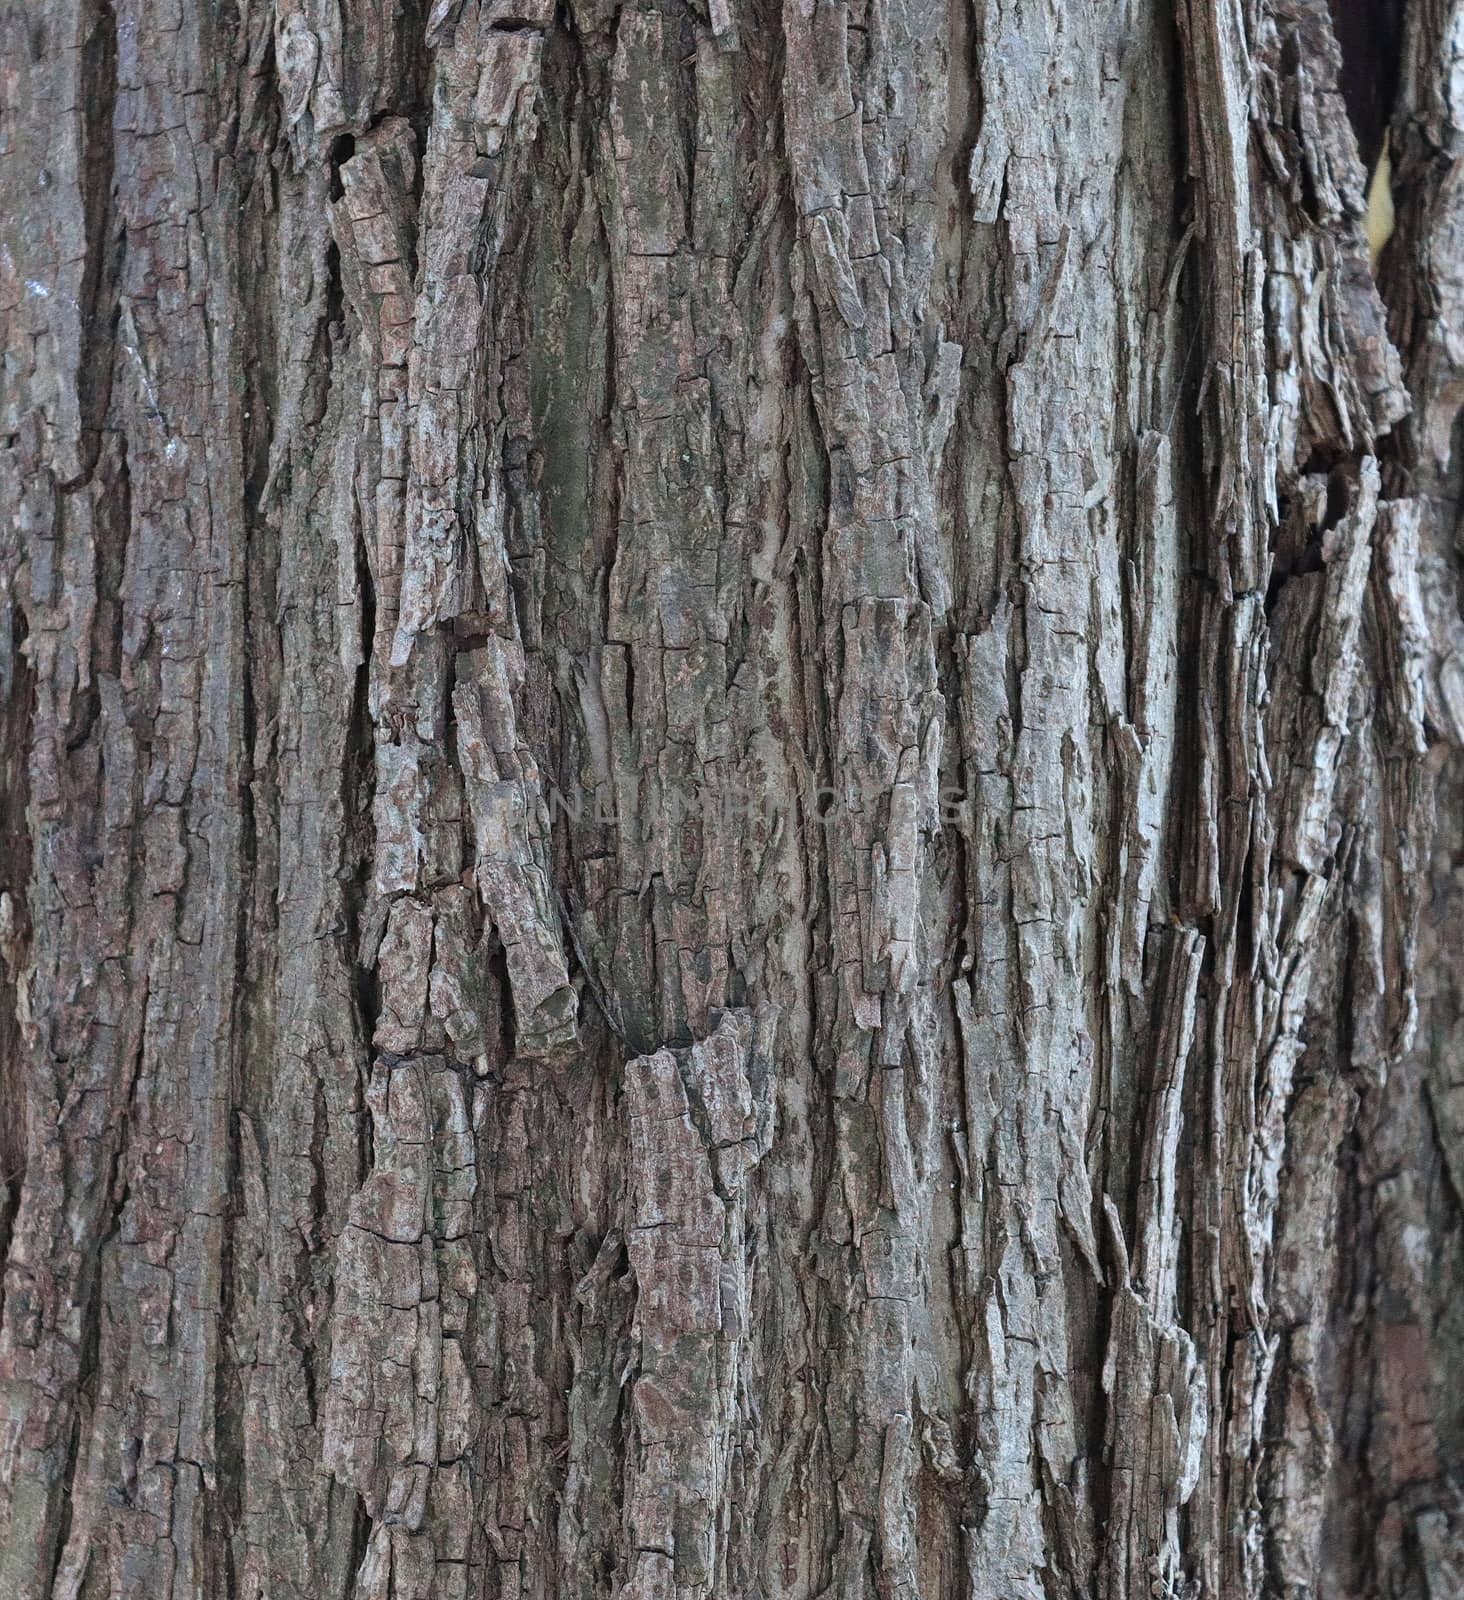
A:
733,777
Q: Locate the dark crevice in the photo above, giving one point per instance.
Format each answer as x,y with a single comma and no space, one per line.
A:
358,780
97,298
497,961
1370,36
360,1544
17,719
342,148
224,1510
630,687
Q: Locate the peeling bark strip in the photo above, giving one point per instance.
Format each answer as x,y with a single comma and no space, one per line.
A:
518,1080
699,1121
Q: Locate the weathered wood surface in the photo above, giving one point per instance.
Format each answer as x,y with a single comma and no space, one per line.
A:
732,786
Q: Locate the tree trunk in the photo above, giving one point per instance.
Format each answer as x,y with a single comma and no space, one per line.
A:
732,801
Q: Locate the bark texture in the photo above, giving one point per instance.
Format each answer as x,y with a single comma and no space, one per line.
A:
733,798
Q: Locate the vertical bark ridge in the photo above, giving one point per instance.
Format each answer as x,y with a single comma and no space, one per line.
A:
1391,1344
1309,792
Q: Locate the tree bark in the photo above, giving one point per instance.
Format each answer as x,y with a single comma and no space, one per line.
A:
733,788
